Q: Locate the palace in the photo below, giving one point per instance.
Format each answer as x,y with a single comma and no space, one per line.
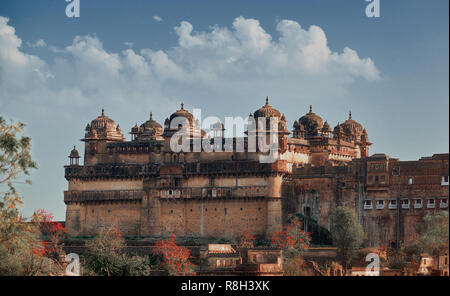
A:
146,189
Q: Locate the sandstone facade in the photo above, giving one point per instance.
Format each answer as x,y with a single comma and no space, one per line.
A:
146,189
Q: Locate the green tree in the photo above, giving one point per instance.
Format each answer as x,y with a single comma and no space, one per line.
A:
434,236
21,250
347,234
106,256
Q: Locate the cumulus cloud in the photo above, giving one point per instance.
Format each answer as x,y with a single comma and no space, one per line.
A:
225,64
157,18
39,43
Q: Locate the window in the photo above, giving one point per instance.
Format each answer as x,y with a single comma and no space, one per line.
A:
383,179
410,180
392,204
417,203
430,204
444,181
376,179
444,203
367,204
370,179
405,204
380,204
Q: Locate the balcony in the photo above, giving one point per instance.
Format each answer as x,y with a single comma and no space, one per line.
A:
443,204
431,204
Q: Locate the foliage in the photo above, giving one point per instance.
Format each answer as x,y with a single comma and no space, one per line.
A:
433,239
247,240
296,266
105,256
319,235
347,234
435,234
21,250
25,254
15,161
292,240
175,259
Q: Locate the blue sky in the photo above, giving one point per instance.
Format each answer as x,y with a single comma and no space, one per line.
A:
57,73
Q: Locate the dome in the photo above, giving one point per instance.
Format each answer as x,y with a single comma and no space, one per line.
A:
351,126
150,124
74,153
182,113
312,122
102,121
103,128
267,111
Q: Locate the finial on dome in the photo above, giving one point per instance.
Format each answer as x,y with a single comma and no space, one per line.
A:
151,115
267,100
350,115
182,106
310,108
103,112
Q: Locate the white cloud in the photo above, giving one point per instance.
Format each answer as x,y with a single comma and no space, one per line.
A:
157,18
39,43
128,44
229,64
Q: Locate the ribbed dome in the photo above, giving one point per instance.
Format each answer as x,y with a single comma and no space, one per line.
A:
182,113
102,121
267,111
103,128
150,124
351,126
312,122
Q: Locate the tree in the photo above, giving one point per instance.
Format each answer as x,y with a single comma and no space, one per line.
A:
175,259
293,240
347,234
106,256
247,240
22,251
15,161
434,237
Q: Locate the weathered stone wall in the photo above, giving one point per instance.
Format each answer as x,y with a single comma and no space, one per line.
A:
214,218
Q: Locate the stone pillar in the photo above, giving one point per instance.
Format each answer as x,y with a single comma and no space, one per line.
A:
274,206
74,219
150,214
